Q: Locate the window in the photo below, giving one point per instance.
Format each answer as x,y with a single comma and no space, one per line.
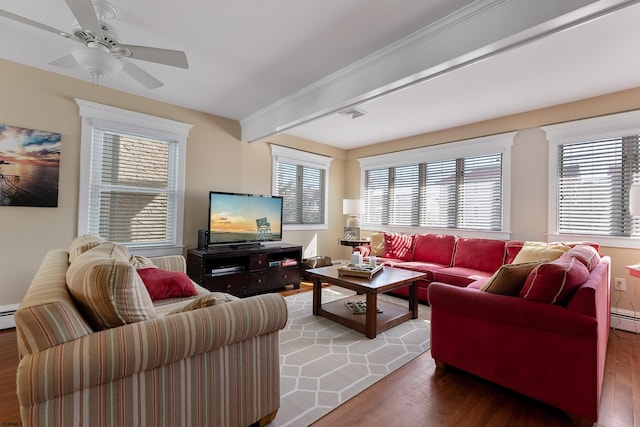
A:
592,164
462,185
301,178
132,179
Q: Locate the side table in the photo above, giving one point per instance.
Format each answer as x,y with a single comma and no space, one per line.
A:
354,243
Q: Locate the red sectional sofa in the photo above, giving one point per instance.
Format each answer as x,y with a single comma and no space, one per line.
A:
546,340
444,257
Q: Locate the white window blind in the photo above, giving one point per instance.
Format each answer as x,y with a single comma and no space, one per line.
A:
133,188
455,193
479,204
301,179
593,186
302,188
132,170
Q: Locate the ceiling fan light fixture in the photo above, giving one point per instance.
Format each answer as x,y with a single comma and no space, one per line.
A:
96,61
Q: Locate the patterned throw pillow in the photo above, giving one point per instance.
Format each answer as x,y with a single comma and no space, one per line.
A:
107,288
534,251
510,278
163,284
555,282
398,246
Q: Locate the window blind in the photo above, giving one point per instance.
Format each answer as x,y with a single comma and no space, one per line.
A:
480,193
453,193
593,186
302,188
133,188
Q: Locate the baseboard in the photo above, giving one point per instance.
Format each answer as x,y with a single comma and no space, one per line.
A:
7,320
625,320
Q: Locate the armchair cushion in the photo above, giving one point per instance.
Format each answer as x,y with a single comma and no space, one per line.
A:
510,278
107,288
555,282
162,284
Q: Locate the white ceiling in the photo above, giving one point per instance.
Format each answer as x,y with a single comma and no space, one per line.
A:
247,57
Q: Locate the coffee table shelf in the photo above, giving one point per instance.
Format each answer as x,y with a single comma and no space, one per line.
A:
392,314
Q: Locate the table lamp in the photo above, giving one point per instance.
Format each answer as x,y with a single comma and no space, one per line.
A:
353,208
634,210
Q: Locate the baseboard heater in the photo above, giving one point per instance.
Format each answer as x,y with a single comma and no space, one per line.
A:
625,320
7,312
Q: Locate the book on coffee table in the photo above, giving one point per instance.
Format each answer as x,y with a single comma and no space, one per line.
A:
363,270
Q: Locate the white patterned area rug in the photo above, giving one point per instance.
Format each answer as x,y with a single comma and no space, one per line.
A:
323,364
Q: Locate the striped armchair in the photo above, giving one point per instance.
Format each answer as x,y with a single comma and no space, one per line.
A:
213,366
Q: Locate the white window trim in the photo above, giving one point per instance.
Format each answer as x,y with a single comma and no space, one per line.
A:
610,126
93,115
304,158
485,145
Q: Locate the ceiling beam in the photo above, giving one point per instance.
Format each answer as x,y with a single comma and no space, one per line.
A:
471,34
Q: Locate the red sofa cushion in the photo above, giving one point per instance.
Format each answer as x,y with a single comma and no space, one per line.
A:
436,248
479,254
555,282
459,276
399,246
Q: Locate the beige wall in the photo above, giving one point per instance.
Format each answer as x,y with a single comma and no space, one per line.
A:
217,160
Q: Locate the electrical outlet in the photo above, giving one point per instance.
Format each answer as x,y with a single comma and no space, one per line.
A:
619,284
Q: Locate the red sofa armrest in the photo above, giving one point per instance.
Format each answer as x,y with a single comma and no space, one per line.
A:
510,310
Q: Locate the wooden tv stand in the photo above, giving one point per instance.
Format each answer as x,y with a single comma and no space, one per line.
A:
245,270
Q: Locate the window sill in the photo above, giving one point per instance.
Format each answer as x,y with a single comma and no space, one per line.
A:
607,241
155,251
304,227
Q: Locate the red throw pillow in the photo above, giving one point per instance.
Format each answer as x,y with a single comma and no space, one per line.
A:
555,282
398,246
588,255
163,284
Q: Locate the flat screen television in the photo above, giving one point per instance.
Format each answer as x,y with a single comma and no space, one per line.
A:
236,218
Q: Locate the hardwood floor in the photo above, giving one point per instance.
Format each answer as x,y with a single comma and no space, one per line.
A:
419,395
9,408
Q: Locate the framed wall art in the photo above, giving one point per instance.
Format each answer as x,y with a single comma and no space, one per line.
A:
29,167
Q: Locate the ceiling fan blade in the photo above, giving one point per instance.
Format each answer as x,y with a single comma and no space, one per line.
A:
65,61
175,58
144,78
85,14
34,24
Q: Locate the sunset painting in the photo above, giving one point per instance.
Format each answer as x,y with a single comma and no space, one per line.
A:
29,167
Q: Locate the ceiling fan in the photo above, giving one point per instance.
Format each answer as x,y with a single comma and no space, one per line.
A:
102,53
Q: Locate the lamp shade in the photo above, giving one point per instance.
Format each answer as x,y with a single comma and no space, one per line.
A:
352,206
634,200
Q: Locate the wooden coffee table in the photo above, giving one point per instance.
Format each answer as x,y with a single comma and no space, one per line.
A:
371,322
